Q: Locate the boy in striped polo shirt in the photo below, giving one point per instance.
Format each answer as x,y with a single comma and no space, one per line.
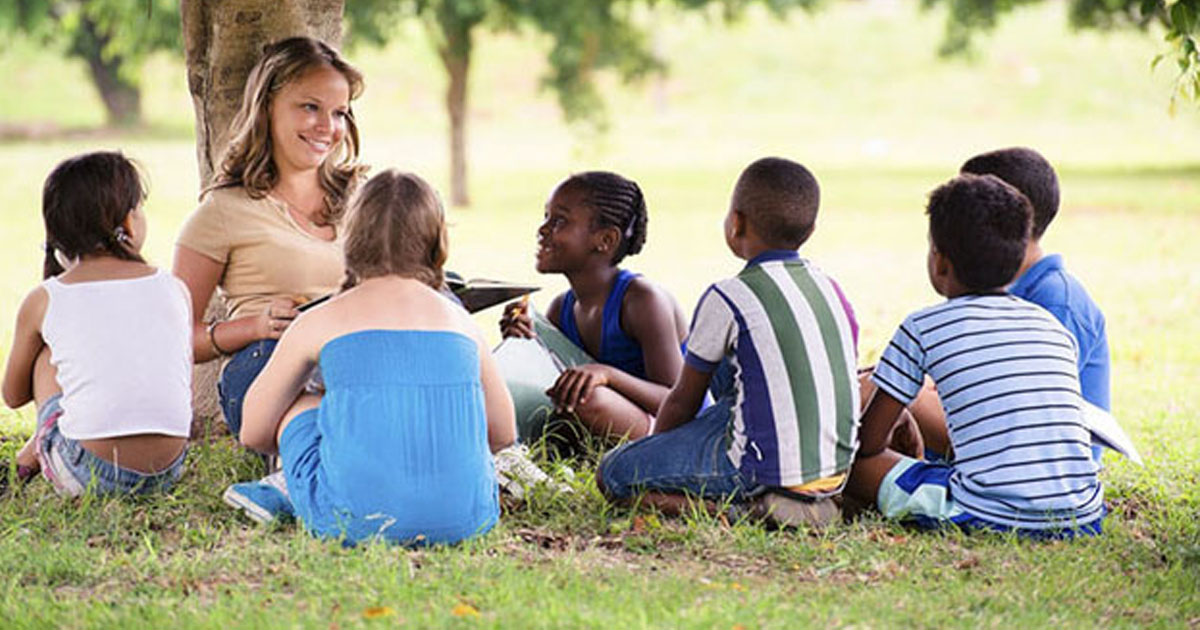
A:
1005,371
776,346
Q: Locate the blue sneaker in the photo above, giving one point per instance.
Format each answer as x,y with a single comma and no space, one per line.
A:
264,501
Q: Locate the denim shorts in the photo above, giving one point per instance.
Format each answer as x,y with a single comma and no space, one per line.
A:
73,470
236,377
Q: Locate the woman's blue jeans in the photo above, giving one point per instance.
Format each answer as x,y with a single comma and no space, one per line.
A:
237,376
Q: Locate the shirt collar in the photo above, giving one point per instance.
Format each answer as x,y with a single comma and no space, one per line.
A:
772,255
1034,274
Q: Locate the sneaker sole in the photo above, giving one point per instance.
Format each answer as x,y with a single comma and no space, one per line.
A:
252,510
789,513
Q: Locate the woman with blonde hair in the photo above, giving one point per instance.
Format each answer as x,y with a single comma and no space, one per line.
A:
267,234
397,446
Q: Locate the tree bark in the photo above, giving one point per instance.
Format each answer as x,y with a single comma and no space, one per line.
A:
222,41
457,69
454,48
122,98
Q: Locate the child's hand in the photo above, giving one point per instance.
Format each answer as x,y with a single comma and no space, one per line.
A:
276,318
516,321
575,385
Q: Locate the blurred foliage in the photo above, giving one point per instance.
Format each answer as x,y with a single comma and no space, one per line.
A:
1180,20
112,36
585,35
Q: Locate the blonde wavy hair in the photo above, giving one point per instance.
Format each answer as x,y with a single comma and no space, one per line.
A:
248,161
396,226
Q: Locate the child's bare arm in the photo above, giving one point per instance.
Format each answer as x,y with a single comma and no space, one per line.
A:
878,420
278,386
27,343
501,418
684,400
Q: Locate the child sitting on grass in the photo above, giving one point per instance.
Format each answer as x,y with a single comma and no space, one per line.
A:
103,345
777,344
1041,279
399,445
1005,372
630,326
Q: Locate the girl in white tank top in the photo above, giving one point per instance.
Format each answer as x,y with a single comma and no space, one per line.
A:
103,345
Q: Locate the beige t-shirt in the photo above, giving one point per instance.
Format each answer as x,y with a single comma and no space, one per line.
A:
266,254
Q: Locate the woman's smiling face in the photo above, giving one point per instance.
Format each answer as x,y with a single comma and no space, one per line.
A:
308,119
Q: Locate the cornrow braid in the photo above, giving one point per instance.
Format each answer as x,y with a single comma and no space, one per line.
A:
616,202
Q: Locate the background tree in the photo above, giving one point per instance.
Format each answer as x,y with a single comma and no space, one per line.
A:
112,36
586,36
1180,20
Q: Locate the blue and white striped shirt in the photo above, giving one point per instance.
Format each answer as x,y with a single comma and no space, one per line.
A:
1005,373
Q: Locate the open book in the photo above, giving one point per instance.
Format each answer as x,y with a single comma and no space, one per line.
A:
475,294
1107,433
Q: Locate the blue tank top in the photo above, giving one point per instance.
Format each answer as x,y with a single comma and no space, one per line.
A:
616,348
404,451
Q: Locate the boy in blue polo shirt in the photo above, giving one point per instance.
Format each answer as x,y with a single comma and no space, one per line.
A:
776,346
1005,371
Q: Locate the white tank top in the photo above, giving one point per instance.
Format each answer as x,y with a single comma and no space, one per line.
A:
123,350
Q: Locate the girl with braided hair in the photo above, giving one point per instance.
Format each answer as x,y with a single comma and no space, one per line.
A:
632,327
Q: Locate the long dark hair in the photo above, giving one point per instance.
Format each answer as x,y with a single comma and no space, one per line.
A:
84,202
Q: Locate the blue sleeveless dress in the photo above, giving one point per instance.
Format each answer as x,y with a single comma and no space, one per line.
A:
616,348
398,447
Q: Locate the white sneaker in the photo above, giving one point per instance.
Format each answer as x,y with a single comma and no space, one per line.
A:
517,474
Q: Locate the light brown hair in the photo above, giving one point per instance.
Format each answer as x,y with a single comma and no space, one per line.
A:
248,161
396,226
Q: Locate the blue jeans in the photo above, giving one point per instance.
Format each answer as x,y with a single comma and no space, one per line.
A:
73,470
237,376
689,459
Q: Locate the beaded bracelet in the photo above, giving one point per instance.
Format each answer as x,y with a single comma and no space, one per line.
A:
212,339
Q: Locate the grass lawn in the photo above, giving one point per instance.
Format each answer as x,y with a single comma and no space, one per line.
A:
856,93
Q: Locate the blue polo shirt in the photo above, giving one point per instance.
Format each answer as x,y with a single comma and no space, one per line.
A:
1048,285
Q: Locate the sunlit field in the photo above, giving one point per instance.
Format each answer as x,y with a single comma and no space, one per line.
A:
856,93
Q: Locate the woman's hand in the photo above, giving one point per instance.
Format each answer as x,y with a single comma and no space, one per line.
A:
271,323
516,321
576,384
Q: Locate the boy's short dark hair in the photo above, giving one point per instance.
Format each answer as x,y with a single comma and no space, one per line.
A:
1027,171
780,199
982,225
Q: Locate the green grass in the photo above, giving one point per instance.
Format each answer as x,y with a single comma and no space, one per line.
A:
855,92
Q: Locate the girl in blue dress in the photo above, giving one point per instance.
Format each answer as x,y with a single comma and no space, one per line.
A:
631,327
399,444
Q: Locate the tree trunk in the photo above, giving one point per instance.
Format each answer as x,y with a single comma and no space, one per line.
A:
453,34
456,106
222,41
122,98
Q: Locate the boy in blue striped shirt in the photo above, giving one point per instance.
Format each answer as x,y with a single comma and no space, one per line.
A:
1005,372
776,346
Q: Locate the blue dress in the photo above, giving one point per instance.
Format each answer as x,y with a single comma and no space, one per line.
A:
398,447
616,348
